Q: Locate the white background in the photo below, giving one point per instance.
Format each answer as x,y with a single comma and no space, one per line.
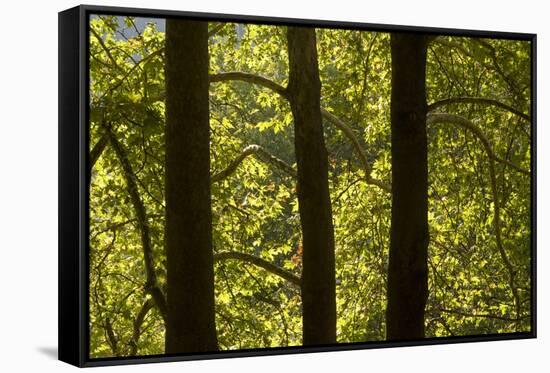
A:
28,185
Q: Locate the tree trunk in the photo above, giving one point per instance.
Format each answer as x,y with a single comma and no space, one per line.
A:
408,271
190,323
318,277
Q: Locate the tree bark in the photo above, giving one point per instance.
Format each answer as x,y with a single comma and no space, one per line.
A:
190,323
408,260
318,276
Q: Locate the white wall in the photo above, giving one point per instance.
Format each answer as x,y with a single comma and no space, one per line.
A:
28,184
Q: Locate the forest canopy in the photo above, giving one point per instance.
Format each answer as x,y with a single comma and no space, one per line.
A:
257,186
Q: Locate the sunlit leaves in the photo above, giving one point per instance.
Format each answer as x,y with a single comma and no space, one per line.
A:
255,210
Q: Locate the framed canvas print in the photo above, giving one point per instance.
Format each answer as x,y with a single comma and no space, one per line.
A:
237,185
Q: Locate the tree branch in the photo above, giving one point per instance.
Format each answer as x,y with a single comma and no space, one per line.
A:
249,78
358,148
453,44
465,123
457,120
151,285
97,150
102,43
127,75
111,337
272,268
140,318
496,67
259,152
493,54
478,100
216,28
331,118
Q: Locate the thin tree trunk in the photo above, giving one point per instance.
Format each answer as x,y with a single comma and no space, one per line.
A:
190,275
408,266
318,277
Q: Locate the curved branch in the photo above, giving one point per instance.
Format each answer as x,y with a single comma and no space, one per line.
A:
151,285
97,150
331,118
337,122
111,336
267,157
478,100
457,120
465,123
138,322
249,78
259,152
272,268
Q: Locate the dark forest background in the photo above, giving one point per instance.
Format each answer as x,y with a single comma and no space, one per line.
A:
260,186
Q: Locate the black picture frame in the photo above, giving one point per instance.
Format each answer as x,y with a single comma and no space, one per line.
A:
73,75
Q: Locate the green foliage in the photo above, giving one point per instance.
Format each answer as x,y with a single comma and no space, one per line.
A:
255,209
